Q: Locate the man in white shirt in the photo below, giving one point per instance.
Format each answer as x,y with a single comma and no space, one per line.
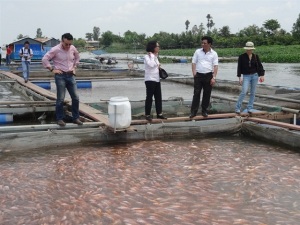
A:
205,69
26,54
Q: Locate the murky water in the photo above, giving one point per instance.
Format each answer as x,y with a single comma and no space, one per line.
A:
277,74
211,181
135,90
7,94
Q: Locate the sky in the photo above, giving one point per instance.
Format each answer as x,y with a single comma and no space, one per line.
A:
78,17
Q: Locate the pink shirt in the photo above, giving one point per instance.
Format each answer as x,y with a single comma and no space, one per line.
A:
64,60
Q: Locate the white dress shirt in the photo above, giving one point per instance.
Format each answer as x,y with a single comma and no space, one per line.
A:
205,62
151,67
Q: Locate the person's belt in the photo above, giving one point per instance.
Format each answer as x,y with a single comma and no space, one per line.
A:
210,73
68,72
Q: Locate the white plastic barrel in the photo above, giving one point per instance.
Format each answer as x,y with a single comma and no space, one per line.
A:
119,112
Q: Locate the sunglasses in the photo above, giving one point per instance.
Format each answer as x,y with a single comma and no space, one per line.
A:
66,44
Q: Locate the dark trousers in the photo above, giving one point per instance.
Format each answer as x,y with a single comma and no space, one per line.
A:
201,81
0,59
66,81
153,89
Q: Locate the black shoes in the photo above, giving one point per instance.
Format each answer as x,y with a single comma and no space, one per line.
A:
149,118
61,123
192,116
78,122
161,116
204,114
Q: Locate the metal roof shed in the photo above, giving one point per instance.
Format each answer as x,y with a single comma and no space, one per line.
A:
36,46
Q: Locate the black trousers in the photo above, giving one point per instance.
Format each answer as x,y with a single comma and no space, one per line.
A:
153,89
201,81
0,59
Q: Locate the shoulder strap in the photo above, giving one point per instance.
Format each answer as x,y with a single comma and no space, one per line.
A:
29,50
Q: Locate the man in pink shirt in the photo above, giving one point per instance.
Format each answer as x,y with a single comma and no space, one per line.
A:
65,58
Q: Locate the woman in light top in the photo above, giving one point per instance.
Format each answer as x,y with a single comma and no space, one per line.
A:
152,81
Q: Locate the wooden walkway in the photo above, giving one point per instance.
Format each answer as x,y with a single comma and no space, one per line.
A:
84,109
98,115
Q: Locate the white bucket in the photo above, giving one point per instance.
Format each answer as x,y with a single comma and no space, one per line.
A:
119,112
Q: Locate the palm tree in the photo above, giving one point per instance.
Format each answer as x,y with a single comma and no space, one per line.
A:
210,22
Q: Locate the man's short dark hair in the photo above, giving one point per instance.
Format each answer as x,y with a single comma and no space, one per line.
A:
67,36
151,46
209,39
26,42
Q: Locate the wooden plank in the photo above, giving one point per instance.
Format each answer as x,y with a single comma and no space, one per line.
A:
83,108
181,119
275,123
93,113
40,127
26,102
21,110
7,81
30,85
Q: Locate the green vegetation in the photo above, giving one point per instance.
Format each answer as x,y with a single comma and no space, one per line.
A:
268,54
273,44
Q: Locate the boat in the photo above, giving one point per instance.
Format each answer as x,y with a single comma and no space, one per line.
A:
179,60
138,59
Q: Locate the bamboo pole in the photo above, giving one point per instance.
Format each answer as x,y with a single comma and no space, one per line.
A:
40,127
26,102
278,98
284,109
274,123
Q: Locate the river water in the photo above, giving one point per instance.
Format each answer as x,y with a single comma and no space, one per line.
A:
228,180
277,74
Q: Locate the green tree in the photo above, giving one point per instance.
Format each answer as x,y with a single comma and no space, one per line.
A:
271,26
133,39
39,33
79,43
249,31
210,22
224,31
20,36
201,30
89,36
107,38
195,30
296,29
96,33
187,23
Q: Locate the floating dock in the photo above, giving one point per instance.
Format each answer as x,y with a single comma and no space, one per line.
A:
98,129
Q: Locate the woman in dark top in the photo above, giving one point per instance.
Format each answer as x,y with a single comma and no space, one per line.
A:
250,66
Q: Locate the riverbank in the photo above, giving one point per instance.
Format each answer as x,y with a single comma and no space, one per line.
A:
267,54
